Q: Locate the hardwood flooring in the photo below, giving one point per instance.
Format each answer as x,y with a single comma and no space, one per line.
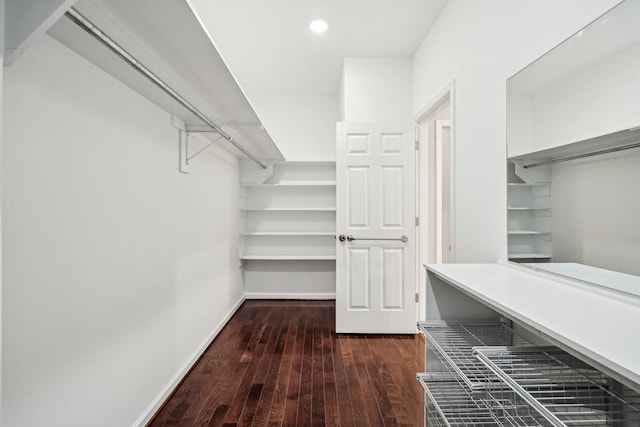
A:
280,363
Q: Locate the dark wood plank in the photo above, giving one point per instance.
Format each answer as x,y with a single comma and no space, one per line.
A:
306,379
330,397
280,363
277,404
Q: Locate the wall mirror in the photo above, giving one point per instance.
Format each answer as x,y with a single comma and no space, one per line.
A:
573,155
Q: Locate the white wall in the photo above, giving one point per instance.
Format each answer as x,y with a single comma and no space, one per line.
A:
594,201
304,127
2,29
376,89
117,268
603,98
480,45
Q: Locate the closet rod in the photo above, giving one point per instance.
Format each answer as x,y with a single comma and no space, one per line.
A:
108,42
580,156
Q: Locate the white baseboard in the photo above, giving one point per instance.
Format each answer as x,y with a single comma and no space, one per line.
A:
277,295
153,407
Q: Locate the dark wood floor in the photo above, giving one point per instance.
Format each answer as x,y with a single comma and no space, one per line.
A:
280,363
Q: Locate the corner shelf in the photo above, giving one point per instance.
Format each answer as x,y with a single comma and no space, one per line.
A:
291,215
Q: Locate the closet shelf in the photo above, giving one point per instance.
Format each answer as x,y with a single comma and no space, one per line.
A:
584,148
290,233
526,208
293,184
289,209
289,257
527,232
531,255
186,60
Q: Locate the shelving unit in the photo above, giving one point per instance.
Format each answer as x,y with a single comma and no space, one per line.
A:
529,219
291,215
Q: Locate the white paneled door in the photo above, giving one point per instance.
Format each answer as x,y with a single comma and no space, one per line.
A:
375,277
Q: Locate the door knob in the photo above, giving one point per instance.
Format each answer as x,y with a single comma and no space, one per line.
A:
342,237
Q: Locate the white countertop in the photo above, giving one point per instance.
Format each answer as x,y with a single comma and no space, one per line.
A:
600,325
609,279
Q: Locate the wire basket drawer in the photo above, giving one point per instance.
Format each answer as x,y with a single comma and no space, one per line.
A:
448,403
452,342
562,389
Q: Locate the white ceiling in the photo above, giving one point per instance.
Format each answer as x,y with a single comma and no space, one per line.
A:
270,50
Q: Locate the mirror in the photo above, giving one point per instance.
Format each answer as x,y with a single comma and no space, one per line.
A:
573,155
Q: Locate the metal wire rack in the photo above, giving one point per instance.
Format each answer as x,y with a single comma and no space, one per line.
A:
452,344
448,403
562,389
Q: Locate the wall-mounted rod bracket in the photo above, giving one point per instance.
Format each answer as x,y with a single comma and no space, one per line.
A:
185,131
191,156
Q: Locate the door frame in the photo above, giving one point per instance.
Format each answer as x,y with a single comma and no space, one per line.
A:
447,93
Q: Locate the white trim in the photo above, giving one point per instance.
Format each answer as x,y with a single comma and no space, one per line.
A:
448,91
156,403
280,295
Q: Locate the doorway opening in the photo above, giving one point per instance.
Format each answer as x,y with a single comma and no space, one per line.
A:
435,186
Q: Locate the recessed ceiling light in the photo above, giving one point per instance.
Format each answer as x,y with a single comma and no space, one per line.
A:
319,26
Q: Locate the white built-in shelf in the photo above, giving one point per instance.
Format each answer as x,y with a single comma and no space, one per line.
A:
291,214
328,184
290,233
531,255
614,140
527,232
290,209
528,217
525,184
526,208
267,257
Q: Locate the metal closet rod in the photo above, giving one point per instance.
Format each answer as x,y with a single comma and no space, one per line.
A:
580,156
108,42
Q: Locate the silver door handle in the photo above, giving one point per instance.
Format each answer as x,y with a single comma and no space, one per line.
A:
350,238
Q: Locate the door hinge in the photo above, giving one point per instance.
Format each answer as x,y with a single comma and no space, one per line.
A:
417,297
417,145
417,221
